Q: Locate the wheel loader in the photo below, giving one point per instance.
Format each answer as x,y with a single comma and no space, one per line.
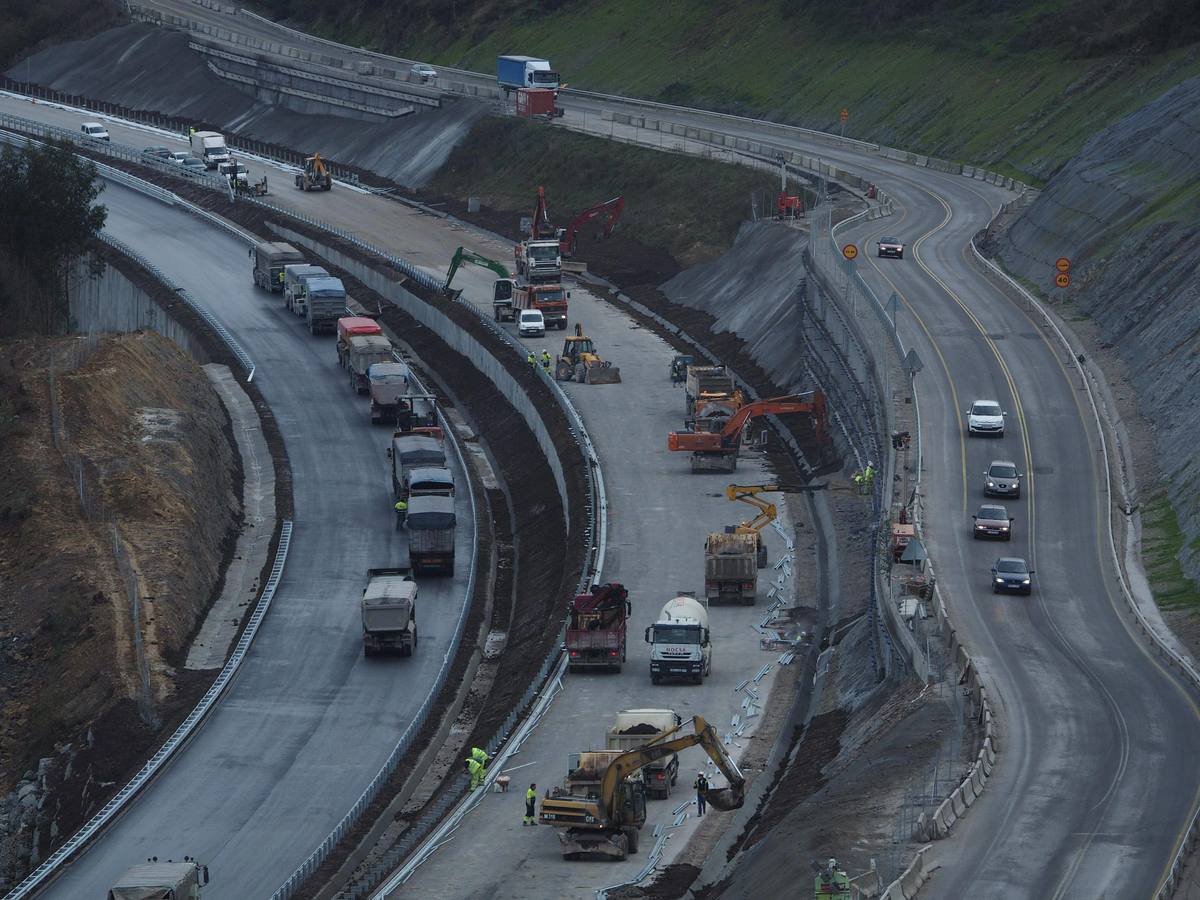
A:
580,362
315,176
608,824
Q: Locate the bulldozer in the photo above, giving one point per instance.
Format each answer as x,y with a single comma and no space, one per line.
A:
315,175
579,361
608,824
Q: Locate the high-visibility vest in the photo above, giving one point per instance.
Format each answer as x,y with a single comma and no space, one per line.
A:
401,506
530,795
474,766
480,755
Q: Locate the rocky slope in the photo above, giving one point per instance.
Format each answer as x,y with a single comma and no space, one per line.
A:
1126,211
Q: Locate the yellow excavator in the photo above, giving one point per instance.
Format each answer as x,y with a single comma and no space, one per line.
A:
749,493
579,361
609,824
315,176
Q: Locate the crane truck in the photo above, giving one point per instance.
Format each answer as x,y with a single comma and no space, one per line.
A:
717,451
680,644
596,626
609,823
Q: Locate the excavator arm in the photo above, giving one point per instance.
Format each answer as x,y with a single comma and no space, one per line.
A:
727,437
703,734
463,255
541,217
609,208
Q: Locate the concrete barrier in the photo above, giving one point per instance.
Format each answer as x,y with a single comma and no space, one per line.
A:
956,800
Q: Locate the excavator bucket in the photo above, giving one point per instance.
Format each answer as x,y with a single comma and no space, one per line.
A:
726,798
604,373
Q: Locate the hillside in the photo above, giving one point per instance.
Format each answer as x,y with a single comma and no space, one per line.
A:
1019,84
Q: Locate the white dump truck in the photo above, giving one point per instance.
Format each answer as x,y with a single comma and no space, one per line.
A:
389,612
635,728
679,640
154,880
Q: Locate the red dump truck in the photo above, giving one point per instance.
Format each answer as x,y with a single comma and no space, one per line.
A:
596,628
353,326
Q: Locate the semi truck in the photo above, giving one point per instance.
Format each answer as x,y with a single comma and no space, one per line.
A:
431,524
348,327
294,277
209,147
270,259
680,645
731,567
551,299
325,303
389,383
389,612
635,728
154,880
362,352
596,626
513,72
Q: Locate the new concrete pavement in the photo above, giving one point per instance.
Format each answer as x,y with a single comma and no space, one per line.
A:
308,721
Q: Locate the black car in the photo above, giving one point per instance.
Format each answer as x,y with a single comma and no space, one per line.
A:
1011,573
892,247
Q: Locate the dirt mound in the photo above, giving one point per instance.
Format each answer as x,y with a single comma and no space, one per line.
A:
118,479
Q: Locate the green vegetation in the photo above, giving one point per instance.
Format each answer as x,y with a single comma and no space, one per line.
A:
25,25
48,216
1162,542
1018,84
688,206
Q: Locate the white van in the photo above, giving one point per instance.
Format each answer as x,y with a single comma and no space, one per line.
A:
94,131
531,323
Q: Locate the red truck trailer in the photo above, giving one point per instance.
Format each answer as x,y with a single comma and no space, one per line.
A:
596,628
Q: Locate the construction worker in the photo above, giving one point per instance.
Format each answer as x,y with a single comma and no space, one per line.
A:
532,360
868,475
546,361
191,131
479,756
857,478
475,767
530,803
701,785
281,279
401,512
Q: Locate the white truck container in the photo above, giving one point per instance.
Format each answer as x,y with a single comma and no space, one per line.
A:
209,147
161,881
679,641
634,728
389,612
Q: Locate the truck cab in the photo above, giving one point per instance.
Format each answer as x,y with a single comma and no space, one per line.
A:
680,644
539,259
209,147
294,278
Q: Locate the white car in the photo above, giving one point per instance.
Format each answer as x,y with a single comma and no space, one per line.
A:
94,131
177,157
531,323
985,417
423,72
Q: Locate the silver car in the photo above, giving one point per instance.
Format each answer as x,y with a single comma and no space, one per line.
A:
985,417
1001,479
423,72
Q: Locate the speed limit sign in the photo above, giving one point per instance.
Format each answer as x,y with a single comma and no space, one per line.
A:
850,251
1063,279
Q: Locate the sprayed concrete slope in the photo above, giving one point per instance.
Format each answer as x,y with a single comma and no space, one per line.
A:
150,68
1125,212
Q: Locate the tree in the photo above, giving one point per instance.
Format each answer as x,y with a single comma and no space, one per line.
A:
48,216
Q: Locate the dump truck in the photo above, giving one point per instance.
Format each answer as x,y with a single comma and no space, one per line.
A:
551,299
701,382
388,384
410,451
502,300
270,260
362,352
389,612
539,260
209,147
609,823
680,644
427,481
325,303
585,772
731,567
596,626
348,327
635,728
431,524
580,362
154,880
418,414
294,279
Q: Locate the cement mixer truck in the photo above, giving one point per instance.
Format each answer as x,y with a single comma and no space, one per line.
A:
679,640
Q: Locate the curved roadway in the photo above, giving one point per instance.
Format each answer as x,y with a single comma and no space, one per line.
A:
308,721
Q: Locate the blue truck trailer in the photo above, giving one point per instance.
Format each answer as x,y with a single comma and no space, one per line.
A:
513,72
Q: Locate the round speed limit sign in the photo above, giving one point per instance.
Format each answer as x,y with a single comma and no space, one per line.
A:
850,251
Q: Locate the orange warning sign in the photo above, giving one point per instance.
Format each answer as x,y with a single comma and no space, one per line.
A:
850,251
1063,279
1062,264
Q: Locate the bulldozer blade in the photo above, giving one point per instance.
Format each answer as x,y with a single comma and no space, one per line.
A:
724,799
603,375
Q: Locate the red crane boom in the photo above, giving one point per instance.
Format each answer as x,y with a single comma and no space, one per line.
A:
611,209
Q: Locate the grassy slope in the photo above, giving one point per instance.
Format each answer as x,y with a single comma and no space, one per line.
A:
956,83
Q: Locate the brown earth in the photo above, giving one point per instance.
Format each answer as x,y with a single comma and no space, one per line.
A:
141,424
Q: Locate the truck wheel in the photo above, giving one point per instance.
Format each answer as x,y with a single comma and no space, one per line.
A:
367,651
655,678
631,835
698,678
621,842
748,601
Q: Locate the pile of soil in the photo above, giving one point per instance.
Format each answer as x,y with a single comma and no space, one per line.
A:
141,433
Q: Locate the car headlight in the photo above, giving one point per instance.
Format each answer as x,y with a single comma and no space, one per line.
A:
1026,581
1004,528
991,483
999,580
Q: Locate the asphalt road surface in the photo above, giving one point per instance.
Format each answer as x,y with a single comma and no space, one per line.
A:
309,720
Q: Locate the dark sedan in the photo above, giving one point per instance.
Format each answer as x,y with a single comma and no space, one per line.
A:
992,521
1012,574
892,247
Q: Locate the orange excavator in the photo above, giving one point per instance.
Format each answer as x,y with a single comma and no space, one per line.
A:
610,209
717,451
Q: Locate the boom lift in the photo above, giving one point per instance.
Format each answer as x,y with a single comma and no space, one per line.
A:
749,493
610,209
315,176
463,255
716,451
608,824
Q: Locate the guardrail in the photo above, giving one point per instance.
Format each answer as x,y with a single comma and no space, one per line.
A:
113,807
